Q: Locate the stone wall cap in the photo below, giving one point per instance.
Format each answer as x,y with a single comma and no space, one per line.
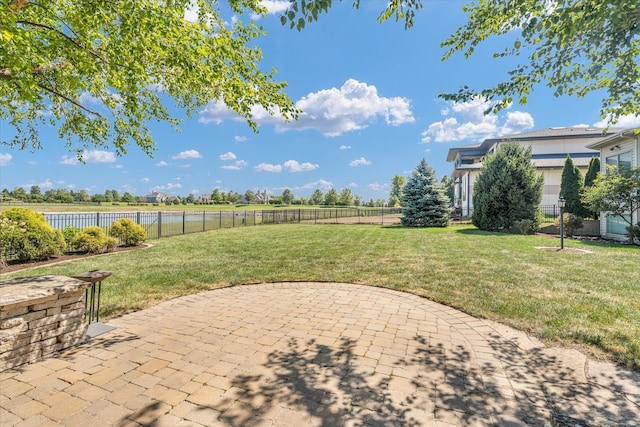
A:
14,292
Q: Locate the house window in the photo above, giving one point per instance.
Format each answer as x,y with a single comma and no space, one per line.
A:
621,160
616,225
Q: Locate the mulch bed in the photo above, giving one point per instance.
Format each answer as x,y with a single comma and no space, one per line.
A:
17,266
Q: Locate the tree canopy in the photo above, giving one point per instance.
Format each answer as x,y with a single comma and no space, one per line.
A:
571,187
424,203
101,71
616,193
573,46
507,190
395,194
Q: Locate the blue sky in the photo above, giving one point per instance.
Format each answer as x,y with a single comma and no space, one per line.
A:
369,95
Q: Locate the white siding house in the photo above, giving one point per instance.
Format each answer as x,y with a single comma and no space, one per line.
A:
549,150
621,149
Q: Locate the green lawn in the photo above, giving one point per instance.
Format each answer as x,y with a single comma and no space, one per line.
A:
588,299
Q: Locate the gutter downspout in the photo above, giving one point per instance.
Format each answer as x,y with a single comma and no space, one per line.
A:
468,193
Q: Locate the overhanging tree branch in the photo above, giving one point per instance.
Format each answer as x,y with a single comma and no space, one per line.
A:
66,98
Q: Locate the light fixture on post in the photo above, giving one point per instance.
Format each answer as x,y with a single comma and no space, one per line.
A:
561,203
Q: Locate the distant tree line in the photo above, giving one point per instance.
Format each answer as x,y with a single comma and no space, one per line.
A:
62,195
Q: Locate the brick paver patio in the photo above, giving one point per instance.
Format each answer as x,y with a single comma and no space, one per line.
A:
315,354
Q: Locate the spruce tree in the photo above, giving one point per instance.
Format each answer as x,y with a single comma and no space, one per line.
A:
571,189
424,203
507,190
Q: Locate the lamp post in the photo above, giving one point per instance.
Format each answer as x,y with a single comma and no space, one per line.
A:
561,202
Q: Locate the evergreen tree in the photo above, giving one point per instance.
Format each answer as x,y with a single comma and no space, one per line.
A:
424,203
590,178
571,189
507,190
449,188
592,172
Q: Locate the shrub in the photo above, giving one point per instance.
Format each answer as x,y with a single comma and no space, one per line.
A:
129,233
571,224
27,236
94,240
526,226
69,233
633,233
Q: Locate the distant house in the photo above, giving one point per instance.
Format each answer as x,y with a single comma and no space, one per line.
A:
622,149
204,199
549,150
261,198
157,197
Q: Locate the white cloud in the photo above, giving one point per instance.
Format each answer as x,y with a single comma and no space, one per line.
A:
236,166
276,6
189,154
191,12
239,138
217,112
66,160
162,163
230,167
273,7
169,186
467,121
227,156
331,112
266,167
46,184
345,147
360,162
378,187
516,122
320,184
5,159
128,188
294,166
628,121
353,185
97,156
93,156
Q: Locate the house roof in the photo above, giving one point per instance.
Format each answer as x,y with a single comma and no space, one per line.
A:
612,138
559,133
557,163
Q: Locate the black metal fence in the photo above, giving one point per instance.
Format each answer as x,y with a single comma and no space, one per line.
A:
548,211
171,223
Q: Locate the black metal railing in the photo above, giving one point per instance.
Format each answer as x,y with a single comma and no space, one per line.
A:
171,223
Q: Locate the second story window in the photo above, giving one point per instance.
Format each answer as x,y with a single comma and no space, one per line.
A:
620,160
